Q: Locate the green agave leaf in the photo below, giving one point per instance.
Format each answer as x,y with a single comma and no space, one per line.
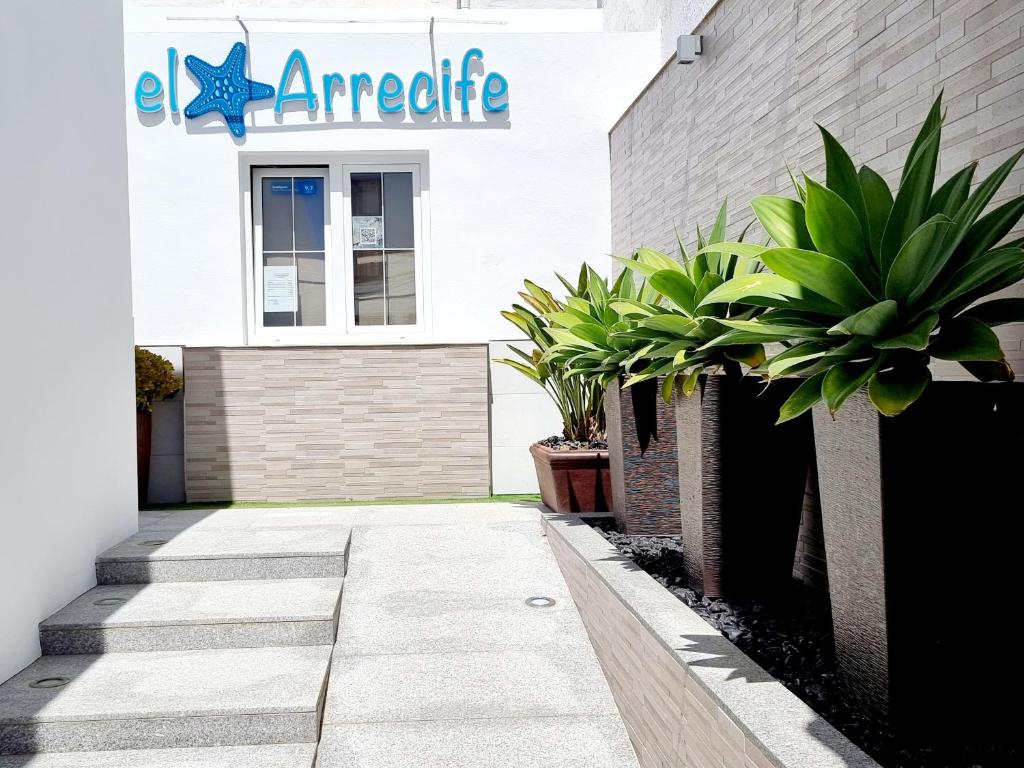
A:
796,356
800,191
565,336
964,338
651,257
878,203
871,321
766,327
517,320
932,122
580,305
984,370
894,390
951,256
843,380
667,386
837,231
821,274
748,354
916,338
841,177
718,230
745,250
709,282
806,396
524,369
915,192
977,273
566,319
784,220
915,258
690,382
952,194
1003,280
768,290
673,324
590,332
997,312
628,307
542,295
744,337
677,287
990,229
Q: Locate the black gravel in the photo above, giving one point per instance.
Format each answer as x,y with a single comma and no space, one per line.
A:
560,443
790,636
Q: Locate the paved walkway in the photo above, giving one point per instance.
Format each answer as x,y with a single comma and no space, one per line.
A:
209,643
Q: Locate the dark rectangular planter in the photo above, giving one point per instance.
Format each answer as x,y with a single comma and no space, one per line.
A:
572,481
645,486
741,485
922,520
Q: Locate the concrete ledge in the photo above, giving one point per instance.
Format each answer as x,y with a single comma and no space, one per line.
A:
687,695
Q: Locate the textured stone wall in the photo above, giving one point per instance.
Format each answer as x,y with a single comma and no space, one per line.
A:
867,70
809,565
645,488
326,422
688,697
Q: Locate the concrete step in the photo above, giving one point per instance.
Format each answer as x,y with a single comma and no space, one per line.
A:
165,700
265,756
228,554
194,616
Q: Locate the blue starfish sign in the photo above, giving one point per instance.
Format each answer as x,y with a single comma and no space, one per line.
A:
225,89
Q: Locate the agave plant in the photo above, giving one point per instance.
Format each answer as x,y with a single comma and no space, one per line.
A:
580,400
680,332
866,286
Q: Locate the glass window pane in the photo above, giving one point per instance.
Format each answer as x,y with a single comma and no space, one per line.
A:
398,219
366,194
277,214
401,287
368,288
277,319
312,289
370,311
309,214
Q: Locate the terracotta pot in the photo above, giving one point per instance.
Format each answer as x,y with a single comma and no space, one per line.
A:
573,481
741,485
922,524
144,449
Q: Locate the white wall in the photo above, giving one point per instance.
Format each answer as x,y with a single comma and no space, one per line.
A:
67,462
671,18
505,202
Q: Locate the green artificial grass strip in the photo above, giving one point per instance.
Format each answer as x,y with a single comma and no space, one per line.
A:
505,498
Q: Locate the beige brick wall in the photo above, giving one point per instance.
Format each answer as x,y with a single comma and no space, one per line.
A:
865,69
330,423
672,719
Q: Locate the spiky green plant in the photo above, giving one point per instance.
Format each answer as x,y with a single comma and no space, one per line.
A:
867,287
680,334
580,400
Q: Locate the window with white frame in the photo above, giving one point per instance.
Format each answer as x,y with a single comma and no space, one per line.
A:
311,280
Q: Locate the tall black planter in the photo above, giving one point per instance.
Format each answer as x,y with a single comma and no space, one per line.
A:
922,520
741,485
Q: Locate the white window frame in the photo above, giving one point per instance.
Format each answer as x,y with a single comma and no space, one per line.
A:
339,265
258,175
349,257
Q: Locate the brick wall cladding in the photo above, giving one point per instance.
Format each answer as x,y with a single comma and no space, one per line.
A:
865,69
359,422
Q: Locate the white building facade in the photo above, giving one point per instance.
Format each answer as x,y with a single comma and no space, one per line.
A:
326,254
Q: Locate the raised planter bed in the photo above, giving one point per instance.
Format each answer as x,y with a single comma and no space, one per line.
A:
687,695
574,479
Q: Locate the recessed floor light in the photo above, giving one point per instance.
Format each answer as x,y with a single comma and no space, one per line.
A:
153,543
49,682
540,602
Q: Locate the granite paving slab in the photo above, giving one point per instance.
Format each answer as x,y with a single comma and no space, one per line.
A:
264,756
545,742
195,615
165,699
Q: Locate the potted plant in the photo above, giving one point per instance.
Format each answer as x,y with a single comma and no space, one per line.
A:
595,343
572,469
154,380
738,539
917,478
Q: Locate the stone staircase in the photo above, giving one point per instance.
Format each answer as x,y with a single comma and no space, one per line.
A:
205,644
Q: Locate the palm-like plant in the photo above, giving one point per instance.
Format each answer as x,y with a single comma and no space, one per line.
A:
683,333
867,287
580,400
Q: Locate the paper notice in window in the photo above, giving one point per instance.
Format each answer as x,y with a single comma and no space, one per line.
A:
368,231
279,289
